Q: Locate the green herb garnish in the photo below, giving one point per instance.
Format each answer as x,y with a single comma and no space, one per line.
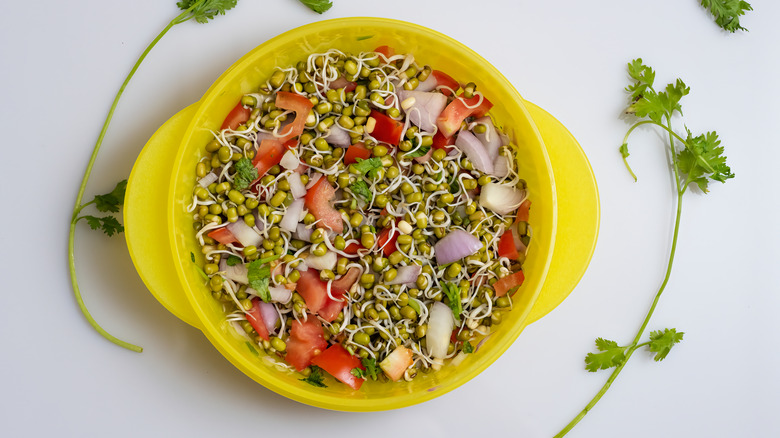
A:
198,268
233,260
315,378
259,274
467,347
419,152
245,174
360,188
372,370
453,295
358,372
727,12
369,167
318,6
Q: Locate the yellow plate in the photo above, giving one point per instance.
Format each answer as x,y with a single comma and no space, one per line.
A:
551,162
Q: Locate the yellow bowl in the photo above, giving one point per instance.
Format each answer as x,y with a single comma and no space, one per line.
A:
564,216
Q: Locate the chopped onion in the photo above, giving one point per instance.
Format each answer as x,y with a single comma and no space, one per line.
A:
501,198
269,314
489,138
519,245
428,84
501,166
475,151
338,136
246,235
302,233
313,180
297,189
289,160
406,275
207,180
327,261
440,325
425,107
456,245
280,294
237,273
292,215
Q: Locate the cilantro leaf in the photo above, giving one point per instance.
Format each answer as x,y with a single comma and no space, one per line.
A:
205,10
315,378
258,274
467,348
727,12
611,355
452,292
318,6
419,152
113,200
371,367
361,189
358,372
245,174
703,158
368,167
233,260
661,342
107,224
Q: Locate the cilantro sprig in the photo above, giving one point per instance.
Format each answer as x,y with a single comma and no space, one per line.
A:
727,12
315,378
452,292
245,174
695,160
318,6
200,10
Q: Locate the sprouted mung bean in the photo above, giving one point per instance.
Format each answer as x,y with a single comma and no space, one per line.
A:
358,214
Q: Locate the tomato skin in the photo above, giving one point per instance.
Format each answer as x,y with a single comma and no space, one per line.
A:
255,318
386,236
223,236
396,363
354,152
385,50
443,79
352,248
442,142
455,113
317,201
506,246
236,117
523,212
509,282
269,154
300,105
483,107
337,362
306,341
312,289
386,129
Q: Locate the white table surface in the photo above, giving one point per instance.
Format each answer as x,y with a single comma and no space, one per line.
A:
60,65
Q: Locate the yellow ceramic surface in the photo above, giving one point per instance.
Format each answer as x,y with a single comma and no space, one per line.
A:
173,151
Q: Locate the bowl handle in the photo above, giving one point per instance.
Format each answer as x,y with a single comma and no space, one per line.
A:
146,230
578,212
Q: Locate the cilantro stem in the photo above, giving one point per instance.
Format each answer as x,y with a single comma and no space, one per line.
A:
184,16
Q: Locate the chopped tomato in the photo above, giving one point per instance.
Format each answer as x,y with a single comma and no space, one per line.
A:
443,79
312,289
523,212
506,246
317,201
508,283
255,318
352,248
385,50
330,311
387,236
397,362
306,341
223,236
269,154
442,142
386,129
300,105
237,116
337,362
455,113
356,151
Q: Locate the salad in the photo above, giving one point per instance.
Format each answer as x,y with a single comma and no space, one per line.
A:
362,214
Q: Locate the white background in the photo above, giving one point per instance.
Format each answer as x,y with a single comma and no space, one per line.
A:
60,65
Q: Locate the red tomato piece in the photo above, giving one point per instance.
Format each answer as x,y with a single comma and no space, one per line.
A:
223,236
506,246
354,152
300,105
317,201
330,311
385,50
388,237
396,363
269,154
352,248
508,283
443,79
306,341
337,362
523,212
237,116
312,289
256,319
455,113
442,142
387,129
483,107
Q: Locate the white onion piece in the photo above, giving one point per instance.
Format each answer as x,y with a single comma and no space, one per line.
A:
327,261
475,151
406,275
297,189
426,107
313,180
490,137
458,359
246,235
338,136
292,216
302,233
269,314
440,325
501,198
280,294
289,160
207,180
456,245
237,273
501,166
427,85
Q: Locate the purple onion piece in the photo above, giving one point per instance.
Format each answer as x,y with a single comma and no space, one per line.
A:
302,233
292,216
406,275
338,136
426,107
489,138
456,245
280,294
428,84
269,314
475,151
